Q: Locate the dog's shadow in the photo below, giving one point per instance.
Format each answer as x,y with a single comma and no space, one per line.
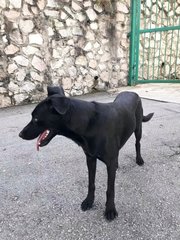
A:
127,165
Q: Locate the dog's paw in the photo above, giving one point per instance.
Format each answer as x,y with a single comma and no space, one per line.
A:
139,161
111,214
87,204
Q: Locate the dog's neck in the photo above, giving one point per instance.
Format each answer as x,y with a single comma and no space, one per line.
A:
82,114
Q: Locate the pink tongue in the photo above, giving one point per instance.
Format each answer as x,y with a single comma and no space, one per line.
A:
41,137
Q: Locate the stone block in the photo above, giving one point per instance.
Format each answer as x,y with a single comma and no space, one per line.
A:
58,24
52,3
12,15
28,87
25,10
30,50
20,75
96,45
63,15
34,10
80,17
98,8
21,60
3,3
105,57
11,49
120,17
81,60
67,83
93,64
100,52
90,55
3,90
5,101
105,76
90,36
77,31
93,72
102,66
178,10
51,13
69,61
65,51
75,6
122,75
83,70
16,3
26,26
57,64
12,67
71,22
87,4
50,31
121,7
89,81
38,64
31,2
75,92
20,98
56,53
35,38
37,77
68,10
41,4
65,33
91,14
14,88
88,47
17,37
72,71
94,26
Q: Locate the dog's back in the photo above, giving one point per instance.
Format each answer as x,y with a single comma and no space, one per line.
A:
128,100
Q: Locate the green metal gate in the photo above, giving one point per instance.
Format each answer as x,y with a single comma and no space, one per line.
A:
155,41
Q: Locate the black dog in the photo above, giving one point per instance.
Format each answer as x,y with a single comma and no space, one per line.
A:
101,129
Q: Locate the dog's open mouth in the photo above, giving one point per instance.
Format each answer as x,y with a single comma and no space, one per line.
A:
44,138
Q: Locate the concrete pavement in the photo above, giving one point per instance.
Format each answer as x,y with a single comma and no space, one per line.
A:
41,192
166,92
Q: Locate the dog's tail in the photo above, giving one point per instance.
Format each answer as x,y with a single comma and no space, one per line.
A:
148,117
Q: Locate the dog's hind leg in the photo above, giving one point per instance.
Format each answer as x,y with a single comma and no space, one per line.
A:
88,202
138,135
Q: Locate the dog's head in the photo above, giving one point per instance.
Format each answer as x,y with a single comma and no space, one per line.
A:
47,117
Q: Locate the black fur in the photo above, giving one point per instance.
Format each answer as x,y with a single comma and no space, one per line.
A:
101,129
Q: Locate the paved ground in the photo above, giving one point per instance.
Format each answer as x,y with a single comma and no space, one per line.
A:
41,193
167,92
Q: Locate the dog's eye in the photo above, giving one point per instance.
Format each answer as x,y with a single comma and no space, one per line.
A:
35,120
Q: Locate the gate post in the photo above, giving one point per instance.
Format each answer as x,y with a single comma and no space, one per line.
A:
134,41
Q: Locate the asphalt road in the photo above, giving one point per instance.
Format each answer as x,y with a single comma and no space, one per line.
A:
41,192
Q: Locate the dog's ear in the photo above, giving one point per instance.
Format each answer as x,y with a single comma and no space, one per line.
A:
55,90
60,104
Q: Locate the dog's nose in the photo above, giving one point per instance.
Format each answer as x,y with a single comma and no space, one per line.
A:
20,135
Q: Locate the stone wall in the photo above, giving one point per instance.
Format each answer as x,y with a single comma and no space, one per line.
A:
79,44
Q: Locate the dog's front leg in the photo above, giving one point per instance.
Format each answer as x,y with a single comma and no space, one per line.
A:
110,212
88,202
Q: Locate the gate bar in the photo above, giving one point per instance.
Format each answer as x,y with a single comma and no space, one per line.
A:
134,42
161,29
